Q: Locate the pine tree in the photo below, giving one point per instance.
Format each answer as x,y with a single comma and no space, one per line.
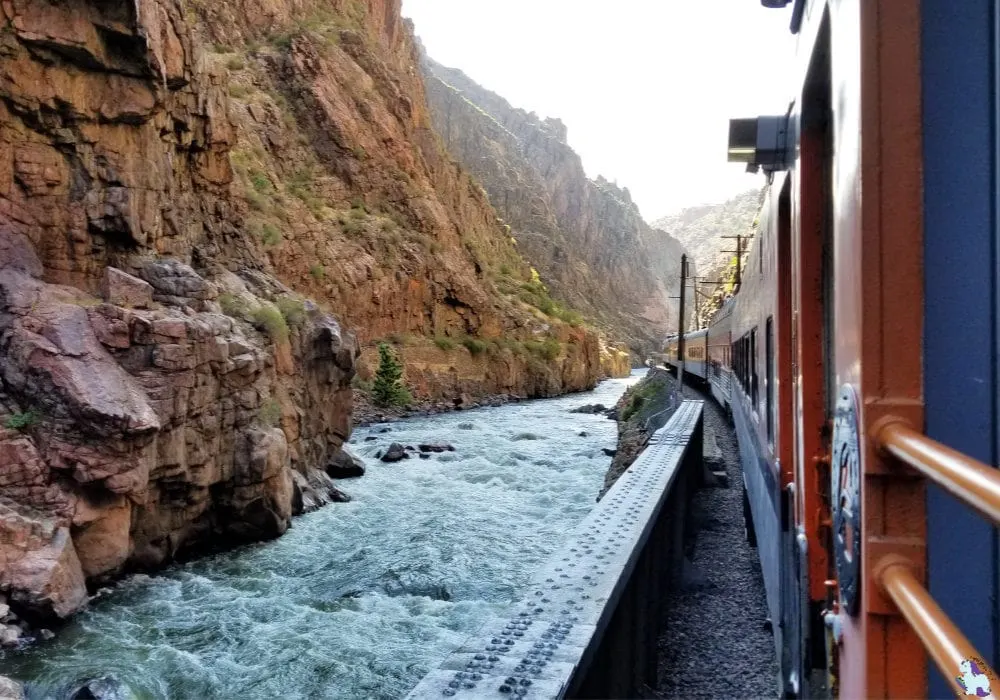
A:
388,389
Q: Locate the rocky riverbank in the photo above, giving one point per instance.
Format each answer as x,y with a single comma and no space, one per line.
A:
640,412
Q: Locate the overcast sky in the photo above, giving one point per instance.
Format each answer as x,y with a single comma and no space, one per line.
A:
645,87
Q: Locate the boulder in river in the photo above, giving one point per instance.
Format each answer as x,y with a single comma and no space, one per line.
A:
436,447
10,689
103,688
609,452
338,496
345,465
395,453
590,408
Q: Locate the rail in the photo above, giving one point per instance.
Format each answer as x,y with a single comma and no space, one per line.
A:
976,484
590,620
968,479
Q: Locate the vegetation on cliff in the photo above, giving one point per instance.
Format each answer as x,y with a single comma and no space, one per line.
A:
388,388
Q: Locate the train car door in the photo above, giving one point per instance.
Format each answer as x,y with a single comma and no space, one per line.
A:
812,363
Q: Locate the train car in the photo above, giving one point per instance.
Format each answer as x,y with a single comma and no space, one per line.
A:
719,346
695,353
864,351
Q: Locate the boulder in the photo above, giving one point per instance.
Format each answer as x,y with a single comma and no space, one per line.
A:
395,453
104,688
10,689
9,634
590,408
345,465
338,496
436,447
38,564
122,289
609,452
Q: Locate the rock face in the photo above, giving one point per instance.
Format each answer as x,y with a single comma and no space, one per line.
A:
701,230
585,236
193,198
352,196
137,420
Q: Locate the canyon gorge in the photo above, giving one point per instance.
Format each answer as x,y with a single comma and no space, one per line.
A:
210,215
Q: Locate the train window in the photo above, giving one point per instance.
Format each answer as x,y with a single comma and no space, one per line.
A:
753,367
769,376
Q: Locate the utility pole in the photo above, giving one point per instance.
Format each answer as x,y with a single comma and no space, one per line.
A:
694,298
739,255
680,336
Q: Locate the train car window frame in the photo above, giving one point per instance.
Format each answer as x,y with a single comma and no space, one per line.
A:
769,378
753,368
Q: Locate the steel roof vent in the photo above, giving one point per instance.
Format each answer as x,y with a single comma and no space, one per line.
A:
761,142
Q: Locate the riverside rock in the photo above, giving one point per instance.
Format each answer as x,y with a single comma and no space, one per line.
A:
345,465
10,689
395,453
436,447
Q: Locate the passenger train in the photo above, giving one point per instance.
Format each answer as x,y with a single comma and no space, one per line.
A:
859,356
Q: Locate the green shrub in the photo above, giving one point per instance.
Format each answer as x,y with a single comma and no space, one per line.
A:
260,182
388,388
292,310
270,235
239,91
235,63
549,348
354,228
474,346
233,305
357,213
318,272
270,413
269,320
21,421
444,342
633,406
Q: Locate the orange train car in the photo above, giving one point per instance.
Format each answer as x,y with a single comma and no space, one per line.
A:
862,368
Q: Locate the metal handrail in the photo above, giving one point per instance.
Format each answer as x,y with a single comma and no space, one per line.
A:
943,640
975,483
972,481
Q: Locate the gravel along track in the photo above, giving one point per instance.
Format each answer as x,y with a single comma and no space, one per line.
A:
717,641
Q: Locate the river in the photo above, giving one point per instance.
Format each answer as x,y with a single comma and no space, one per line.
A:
357,600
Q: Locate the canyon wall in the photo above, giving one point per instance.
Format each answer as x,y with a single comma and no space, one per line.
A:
197,201
586,236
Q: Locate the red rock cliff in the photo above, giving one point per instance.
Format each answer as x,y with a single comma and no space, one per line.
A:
190,198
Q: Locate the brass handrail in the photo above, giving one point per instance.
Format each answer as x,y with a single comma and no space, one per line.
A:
944,642
970,480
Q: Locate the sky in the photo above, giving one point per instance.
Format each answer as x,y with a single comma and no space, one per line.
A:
646,88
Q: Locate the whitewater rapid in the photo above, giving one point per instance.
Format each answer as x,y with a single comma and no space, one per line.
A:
357,600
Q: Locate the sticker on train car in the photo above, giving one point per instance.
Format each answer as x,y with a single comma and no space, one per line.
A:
973,677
